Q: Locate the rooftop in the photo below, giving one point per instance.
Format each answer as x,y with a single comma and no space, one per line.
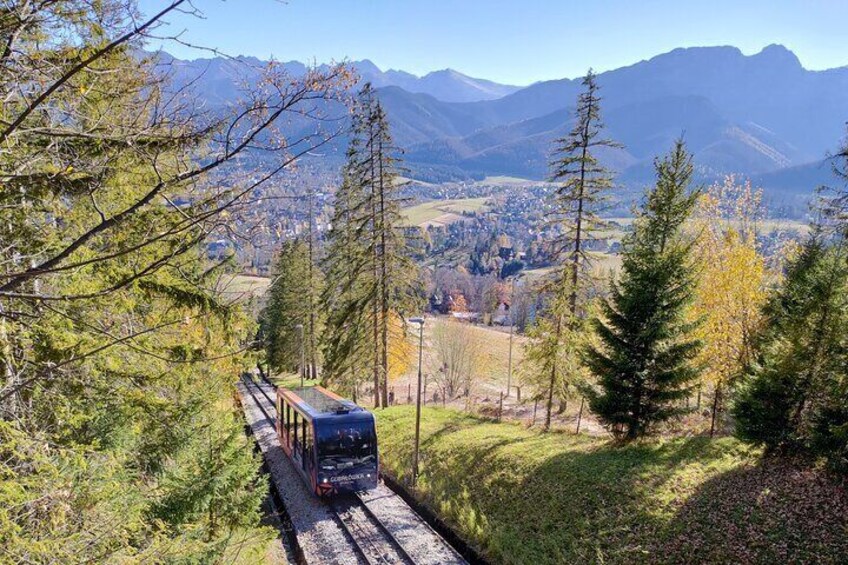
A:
322,403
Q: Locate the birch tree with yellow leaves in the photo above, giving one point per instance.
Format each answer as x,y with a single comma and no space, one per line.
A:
732,283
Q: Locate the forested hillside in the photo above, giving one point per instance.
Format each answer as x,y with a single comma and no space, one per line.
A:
637,359
119,437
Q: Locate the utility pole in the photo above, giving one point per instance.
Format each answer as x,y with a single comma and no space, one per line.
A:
420,322
511,331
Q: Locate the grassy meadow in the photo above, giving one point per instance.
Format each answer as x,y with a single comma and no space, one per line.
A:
522,496
442,212
243,287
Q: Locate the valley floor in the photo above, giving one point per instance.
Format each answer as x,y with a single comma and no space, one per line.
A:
522,496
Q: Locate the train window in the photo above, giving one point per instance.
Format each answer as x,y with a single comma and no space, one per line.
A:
346,444
307,442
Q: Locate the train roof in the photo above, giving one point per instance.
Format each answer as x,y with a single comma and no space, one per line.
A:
317,401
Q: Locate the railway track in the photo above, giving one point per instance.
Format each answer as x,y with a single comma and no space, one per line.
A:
372,540
251,387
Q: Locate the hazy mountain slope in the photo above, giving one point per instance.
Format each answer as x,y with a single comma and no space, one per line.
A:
221,77
748,114
755,115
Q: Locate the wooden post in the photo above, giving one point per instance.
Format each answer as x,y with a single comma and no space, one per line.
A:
518,390
500,407
580,414
409,393
535,407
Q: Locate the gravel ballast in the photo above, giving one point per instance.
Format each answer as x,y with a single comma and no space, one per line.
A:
319,533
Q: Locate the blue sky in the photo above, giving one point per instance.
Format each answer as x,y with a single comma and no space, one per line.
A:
516,42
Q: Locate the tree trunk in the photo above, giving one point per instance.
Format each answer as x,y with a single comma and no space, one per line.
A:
716,405
312,306
553,378
580,415
384,278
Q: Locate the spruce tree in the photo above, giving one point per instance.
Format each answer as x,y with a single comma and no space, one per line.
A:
794,396
378,271
346,338
285,321
583,183
644,360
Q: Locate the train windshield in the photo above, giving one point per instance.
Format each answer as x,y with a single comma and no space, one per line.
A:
346,445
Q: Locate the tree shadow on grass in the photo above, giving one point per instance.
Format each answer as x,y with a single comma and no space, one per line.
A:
554,498
568,500
776,511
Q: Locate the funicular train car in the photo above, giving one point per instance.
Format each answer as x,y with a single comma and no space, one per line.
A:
331,441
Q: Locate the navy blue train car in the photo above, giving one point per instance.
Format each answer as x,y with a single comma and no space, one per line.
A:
331,441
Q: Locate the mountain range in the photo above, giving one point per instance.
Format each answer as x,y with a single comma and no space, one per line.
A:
220,78
761,115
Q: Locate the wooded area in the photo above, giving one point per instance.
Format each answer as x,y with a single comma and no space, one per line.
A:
121,437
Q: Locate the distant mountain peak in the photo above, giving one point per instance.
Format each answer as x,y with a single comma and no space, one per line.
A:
779,54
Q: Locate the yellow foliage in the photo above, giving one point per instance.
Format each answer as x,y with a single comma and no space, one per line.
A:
732,284
401,349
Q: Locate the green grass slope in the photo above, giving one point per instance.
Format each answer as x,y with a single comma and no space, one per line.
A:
526,497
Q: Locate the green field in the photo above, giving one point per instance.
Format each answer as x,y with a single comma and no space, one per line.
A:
602,265
442,212
243,287
522,496
507,181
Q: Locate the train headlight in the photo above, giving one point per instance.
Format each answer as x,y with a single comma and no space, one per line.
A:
325,481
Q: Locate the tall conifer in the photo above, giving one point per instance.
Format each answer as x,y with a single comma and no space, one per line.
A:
345,341
583,183
644,361
289,306
378,270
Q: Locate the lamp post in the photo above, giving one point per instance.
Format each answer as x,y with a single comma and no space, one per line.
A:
420,322
299,329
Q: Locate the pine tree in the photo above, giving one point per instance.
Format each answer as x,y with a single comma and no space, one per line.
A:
288,320
379,271
794,395
644,361
582,186
345,342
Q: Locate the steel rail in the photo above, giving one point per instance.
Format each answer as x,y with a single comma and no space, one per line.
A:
272,419
394,541
348,523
